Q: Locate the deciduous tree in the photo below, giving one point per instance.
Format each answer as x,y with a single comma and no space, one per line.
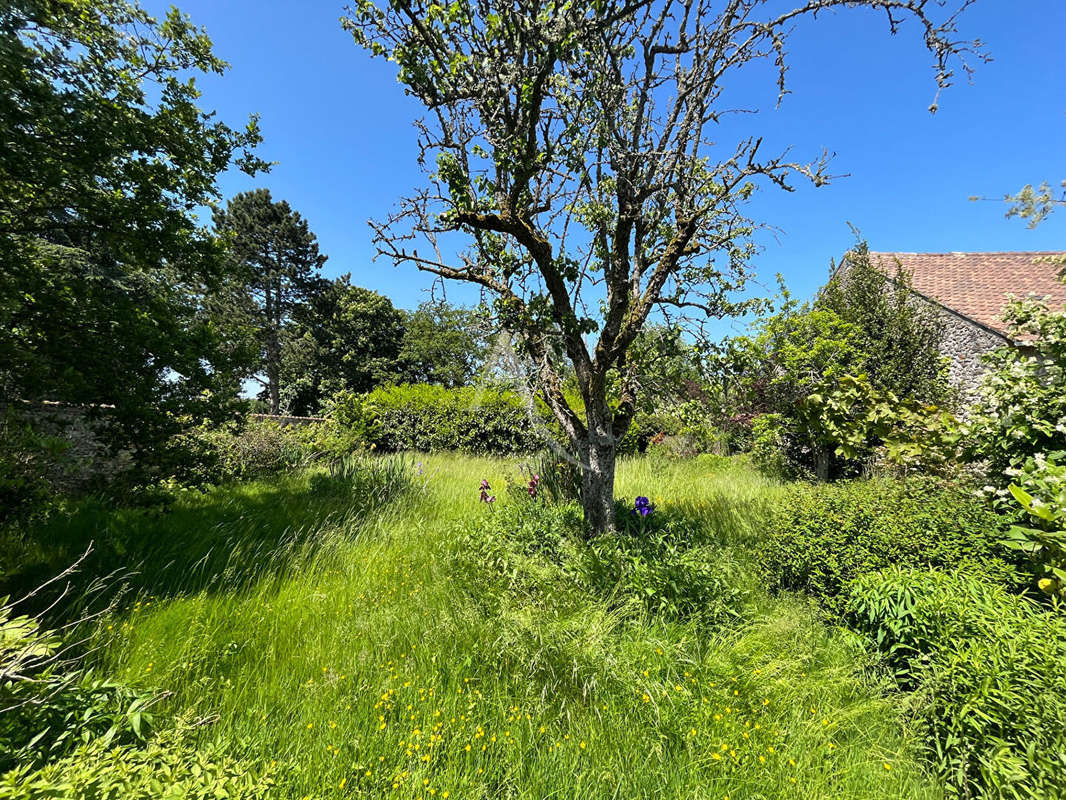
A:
572,144
346,338
106,154
443,344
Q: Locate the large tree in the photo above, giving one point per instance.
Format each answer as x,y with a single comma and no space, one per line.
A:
345,338
105,157
571,143
899,336
443,344
273,269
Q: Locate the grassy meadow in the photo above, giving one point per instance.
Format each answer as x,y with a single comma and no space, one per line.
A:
353,659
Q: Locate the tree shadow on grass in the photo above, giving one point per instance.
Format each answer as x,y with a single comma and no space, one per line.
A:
226,539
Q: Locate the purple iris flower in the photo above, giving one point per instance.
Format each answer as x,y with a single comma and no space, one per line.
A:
485,496
643,507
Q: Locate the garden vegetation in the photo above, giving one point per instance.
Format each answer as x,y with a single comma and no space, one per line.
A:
479,560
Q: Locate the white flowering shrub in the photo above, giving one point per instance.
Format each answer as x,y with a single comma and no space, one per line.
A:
1021,411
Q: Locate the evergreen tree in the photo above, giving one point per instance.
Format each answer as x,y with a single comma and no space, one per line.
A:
274,263
898,333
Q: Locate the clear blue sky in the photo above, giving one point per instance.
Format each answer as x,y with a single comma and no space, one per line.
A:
340,127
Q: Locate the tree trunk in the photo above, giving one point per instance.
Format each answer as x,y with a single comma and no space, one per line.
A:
821,463
597,486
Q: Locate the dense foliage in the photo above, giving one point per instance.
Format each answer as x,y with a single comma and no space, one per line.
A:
1021,408
444,344
103,265
346,338
432,418
273,262
820,537
171,767
987,669
854,378
1040,490
898,332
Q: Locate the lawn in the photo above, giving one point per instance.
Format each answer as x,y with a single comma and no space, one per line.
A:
356,661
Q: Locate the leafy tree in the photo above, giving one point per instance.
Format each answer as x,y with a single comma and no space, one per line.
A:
273,268
444,344
793,354
103,266
667,367
899,334
346,338
571,144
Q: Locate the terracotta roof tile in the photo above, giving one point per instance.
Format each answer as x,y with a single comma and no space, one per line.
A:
977,285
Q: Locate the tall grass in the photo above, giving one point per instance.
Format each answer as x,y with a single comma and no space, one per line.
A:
371,669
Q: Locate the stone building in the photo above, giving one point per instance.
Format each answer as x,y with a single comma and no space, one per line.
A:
971,290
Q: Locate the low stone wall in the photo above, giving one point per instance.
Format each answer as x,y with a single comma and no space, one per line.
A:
87,460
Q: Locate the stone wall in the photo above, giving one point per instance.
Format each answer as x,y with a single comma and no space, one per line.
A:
85,461
964,343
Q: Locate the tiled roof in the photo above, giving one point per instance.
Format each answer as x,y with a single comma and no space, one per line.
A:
977,285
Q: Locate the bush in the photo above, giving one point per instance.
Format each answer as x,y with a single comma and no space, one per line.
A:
678,430
213,455
1040,491
661,563
168,768
431,418
29,464
988,669
355,418
1021,405
769,451
822,536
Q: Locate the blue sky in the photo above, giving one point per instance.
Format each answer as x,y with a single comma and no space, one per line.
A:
341,129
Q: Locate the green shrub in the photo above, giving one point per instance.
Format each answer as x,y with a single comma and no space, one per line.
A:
29,462
48,704
355,417
1021,403
168,768
431,418
668,573
822,536
988,669
1039,488
678,430
210,455
770,438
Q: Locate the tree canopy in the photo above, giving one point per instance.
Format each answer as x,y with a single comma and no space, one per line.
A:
346,338
899,333
103,264
444,344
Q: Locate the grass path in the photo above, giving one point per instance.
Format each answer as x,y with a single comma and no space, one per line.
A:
368,671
